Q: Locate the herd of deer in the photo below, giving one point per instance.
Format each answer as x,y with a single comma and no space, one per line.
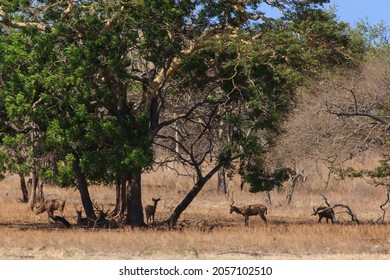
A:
51,205
102,221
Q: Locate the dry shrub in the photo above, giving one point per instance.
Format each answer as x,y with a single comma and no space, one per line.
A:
334,125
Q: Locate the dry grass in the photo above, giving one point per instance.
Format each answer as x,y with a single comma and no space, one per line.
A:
292,233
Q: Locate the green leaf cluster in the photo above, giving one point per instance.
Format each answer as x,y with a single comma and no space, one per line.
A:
381,172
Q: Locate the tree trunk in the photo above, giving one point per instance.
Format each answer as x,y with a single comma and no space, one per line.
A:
40,193
123,198
267,198
153,113
294,182
120,198
31,201
82,185
135,215
34,182
172,220
117,198
222,184
23,187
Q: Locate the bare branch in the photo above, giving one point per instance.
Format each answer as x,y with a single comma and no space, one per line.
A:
277,5
349,212
326,200
182,116
110,23
167,72
356,114
383,209
294,181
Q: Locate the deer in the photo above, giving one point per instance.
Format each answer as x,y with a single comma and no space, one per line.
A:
250,210
80,220
324,212
102,221
150,210
50,206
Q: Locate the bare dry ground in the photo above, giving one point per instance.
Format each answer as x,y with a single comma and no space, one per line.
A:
208,230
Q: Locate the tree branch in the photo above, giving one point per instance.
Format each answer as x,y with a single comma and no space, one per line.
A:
6,20
166,73
110,22
182,116
383,209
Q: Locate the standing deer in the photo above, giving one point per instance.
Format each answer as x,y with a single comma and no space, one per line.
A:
250,210
324,212
150,210
50,206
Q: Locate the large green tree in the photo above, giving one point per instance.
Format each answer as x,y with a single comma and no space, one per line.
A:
106,79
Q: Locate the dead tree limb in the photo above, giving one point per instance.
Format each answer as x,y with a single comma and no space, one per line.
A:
326,200
349,210
383,209
294,181
267,198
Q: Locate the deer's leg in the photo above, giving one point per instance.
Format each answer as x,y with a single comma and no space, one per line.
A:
246,220
49,214
262,216
319,220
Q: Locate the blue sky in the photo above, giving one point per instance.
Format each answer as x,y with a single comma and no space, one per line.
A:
353,10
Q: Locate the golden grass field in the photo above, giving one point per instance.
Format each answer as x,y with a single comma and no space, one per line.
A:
292,232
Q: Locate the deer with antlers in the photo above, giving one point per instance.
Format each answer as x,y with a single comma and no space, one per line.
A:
101,220
250,210
150,210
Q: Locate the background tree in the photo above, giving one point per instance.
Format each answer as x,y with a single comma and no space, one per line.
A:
20,133
250,85
344,115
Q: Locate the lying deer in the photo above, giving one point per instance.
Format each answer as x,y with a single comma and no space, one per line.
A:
101,219
50,206
250,210
150,210
80,220
324,212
